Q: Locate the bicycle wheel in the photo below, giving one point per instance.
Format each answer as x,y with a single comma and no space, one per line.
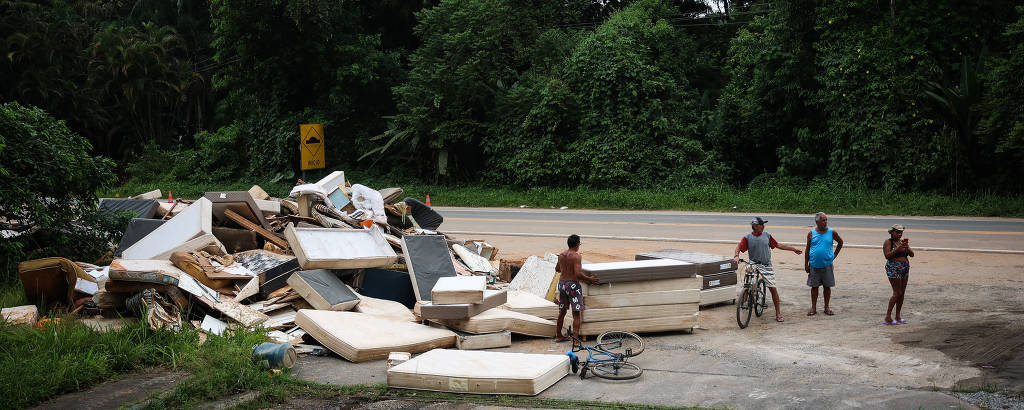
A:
759,300
621,342
617,370
744,307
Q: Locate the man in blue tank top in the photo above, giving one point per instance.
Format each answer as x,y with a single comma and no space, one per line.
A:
759,244
818,259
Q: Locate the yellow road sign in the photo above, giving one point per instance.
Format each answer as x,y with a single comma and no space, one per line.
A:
311,146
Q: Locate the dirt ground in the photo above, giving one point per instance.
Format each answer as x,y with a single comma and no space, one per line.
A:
965,314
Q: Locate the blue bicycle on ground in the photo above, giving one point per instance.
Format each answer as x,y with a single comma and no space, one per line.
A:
608,358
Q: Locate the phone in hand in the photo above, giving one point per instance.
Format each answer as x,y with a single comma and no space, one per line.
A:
906,242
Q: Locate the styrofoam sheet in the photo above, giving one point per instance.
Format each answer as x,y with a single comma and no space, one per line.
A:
322,248
194,221
359,337
458,289
530,304
474,371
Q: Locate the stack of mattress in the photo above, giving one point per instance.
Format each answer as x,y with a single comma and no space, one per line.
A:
641,296
718,272
458,299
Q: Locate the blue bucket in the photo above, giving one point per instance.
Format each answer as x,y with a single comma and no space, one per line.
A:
274,355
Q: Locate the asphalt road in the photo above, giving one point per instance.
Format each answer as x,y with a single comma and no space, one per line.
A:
925,233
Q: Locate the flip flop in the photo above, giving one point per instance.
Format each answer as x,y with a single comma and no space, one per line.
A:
779,319
812,313
902,321
829,312
893,323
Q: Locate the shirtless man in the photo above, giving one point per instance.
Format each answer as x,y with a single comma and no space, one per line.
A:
570,292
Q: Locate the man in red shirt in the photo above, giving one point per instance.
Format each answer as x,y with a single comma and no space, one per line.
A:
758,244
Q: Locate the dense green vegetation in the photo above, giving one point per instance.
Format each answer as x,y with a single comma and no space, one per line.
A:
48,186
653,94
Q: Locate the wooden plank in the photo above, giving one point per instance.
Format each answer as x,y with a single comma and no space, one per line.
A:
643,286
270,236
258,193
639,312
250,289
240,313
481,372
360,337
668,297
657,324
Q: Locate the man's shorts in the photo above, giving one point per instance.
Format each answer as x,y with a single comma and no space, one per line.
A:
769,278
821,277
570,295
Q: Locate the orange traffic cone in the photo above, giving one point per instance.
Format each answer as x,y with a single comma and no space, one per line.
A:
170,196
428,200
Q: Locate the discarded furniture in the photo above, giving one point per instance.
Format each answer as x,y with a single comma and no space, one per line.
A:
360,337
474,371
321,248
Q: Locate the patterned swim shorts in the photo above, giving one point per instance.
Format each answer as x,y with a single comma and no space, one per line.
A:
570,294
897,270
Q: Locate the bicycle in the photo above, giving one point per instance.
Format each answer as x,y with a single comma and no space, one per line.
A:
752,298
608,358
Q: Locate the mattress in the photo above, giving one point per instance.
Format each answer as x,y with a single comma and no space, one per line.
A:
474,371
360,337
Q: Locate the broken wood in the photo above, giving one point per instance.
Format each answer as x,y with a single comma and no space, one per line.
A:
270,236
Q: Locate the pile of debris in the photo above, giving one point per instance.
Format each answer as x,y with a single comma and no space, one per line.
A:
349,268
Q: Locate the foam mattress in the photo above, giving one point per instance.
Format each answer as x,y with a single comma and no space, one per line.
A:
360,337
473,371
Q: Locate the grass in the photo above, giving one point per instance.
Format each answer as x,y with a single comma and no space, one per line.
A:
814,197
39,364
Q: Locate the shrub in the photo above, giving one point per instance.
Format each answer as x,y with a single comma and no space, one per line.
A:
48,184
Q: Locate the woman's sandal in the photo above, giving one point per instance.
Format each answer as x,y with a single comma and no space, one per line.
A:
892,323
779,319
902,321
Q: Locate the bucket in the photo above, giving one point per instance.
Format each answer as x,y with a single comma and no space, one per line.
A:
274,355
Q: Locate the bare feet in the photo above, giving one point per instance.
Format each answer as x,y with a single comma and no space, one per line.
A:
561,339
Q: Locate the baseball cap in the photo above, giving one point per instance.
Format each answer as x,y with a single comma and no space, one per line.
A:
897,227
758,221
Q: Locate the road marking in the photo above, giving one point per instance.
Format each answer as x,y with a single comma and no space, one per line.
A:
723,241
698,225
